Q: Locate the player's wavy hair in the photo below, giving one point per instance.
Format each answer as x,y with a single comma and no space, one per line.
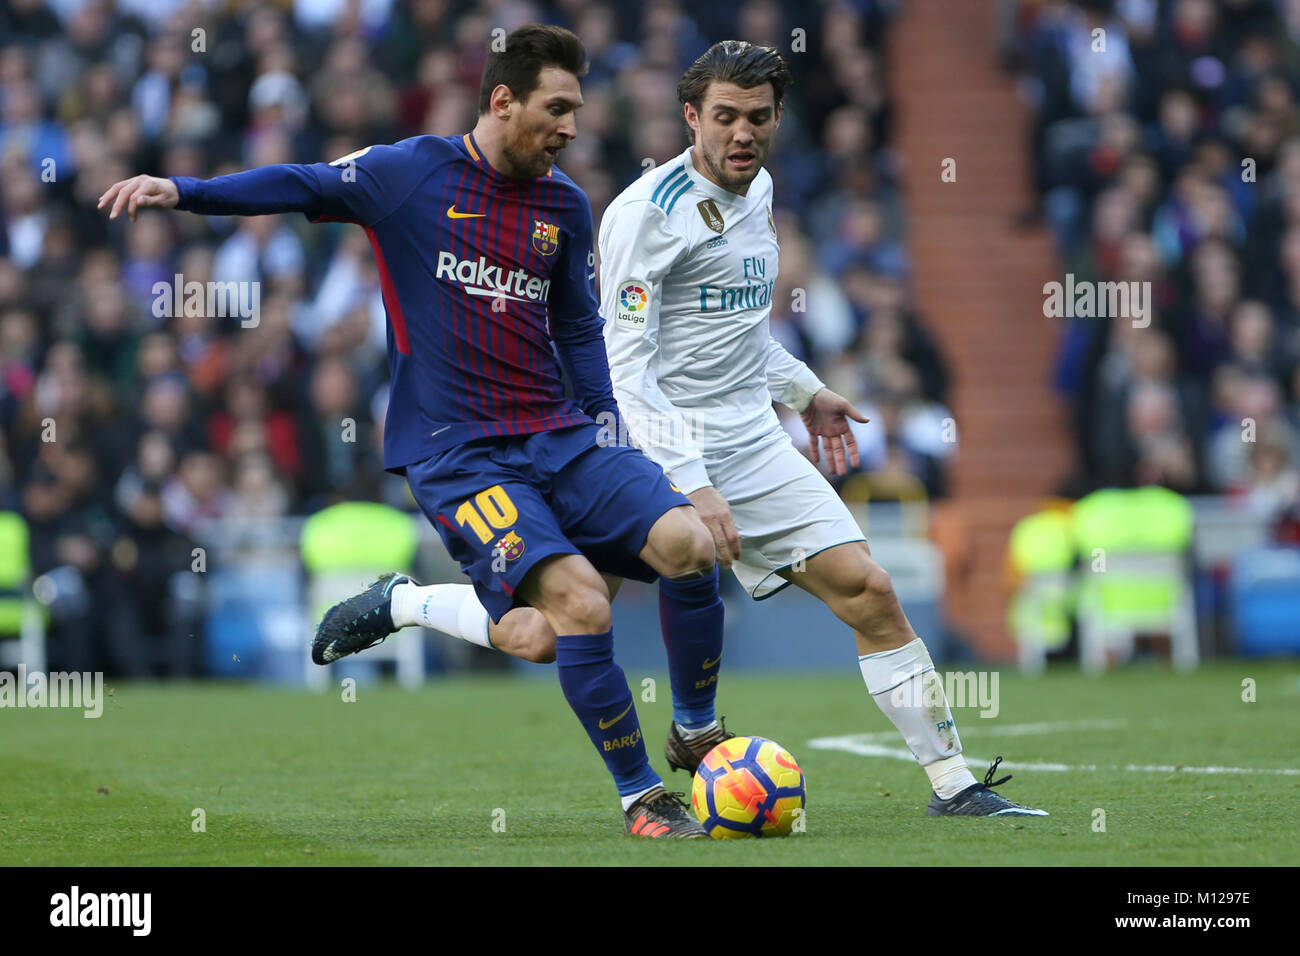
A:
528,51
735,61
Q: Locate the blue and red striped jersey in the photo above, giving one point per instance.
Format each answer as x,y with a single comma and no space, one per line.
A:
480,272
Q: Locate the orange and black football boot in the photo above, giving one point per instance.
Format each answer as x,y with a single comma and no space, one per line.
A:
662,814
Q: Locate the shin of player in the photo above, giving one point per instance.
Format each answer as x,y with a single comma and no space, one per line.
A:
575,602
691,618
895,664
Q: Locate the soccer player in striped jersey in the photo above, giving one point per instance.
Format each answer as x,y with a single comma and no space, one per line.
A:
485,255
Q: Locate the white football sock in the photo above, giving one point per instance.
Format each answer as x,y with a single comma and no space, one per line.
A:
450,608
906,687
689,735
632,798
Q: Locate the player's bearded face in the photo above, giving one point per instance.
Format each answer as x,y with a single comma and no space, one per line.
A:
733,132
543,124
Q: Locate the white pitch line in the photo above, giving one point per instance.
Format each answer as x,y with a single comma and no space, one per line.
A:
1022,730
1167,768
871,745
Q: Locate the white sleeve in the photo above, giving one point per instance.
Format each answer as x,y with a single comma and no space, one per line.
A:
790,381
637,251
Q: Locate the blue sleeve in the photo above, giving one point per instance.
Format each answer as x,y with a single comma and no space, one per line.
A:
255,192
365,187
576,325
369,185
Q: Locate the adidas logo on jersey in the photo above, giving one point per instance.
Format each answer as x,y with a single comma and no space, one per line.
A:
481,278
714,243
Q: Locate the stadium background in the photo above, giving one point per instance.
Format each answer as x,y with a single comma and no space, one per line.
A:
917,294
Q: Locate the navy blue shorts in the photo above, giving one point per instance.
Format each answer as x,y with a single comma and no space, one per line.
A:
503,504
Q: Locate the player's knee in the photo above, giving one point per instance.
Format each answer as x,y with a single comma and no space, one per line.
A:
877,588
692,550
701,552
588,609
571,595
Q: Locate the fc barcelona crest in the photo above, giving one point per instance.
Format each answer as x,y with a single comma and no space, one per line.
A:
546,237
710,214
510,547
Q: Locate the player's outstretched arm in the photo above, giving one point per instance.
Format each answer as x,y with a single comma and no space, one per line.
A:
139,192
254,192
363,187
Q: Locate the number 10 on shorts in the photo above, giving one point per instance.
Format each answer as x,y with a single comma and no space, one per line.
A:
491,506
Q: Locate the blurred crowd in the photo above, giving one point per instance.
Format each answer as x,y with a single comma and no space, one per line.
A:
1167,150
128,432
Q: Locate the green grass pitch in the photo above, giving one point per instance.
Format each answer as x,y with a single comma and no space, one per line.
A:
286,777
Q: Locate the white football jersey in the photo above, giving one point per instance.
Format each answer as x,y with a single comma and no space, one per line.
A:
687,271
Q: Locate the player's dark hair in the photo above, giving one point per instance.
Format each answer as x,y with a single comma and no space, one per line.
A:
738,62
528,51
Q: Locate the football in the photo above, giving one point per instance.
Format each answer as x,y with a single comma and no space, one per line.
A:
748,786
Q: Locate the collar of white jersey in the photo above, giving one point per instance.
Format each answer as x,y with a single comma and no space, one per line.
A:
709,187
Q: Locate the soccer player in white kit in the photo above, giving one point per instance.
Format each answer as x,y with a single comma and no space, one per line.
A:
688,259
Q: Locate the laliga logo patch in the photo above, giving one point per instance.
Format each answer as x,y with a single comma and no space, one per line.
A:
710,214
510,547
633,305
771,223
546,237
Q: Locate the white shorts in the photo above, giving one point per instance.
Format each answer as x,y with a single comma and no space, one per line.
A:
785,511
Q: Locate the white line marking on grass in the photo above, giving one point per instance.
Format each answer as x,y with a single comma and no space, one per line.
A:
1166,768
873,745
1022,730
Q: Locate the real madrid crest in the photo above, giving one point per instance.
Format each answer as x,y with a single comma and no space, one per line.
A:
546,237
709,212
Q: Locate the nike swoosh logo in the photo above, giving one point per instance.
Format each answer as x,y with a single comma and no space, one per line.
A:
443,429
592,276
606,724
453,214
711,663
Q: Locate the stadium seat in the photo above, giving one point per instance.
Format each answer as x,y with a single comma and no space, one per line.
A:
1134,576
20,616
344,548
1264,601
1042,556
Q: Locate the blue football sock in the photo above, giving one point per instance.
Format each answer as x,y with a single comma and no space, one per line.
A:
691,616
597,690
